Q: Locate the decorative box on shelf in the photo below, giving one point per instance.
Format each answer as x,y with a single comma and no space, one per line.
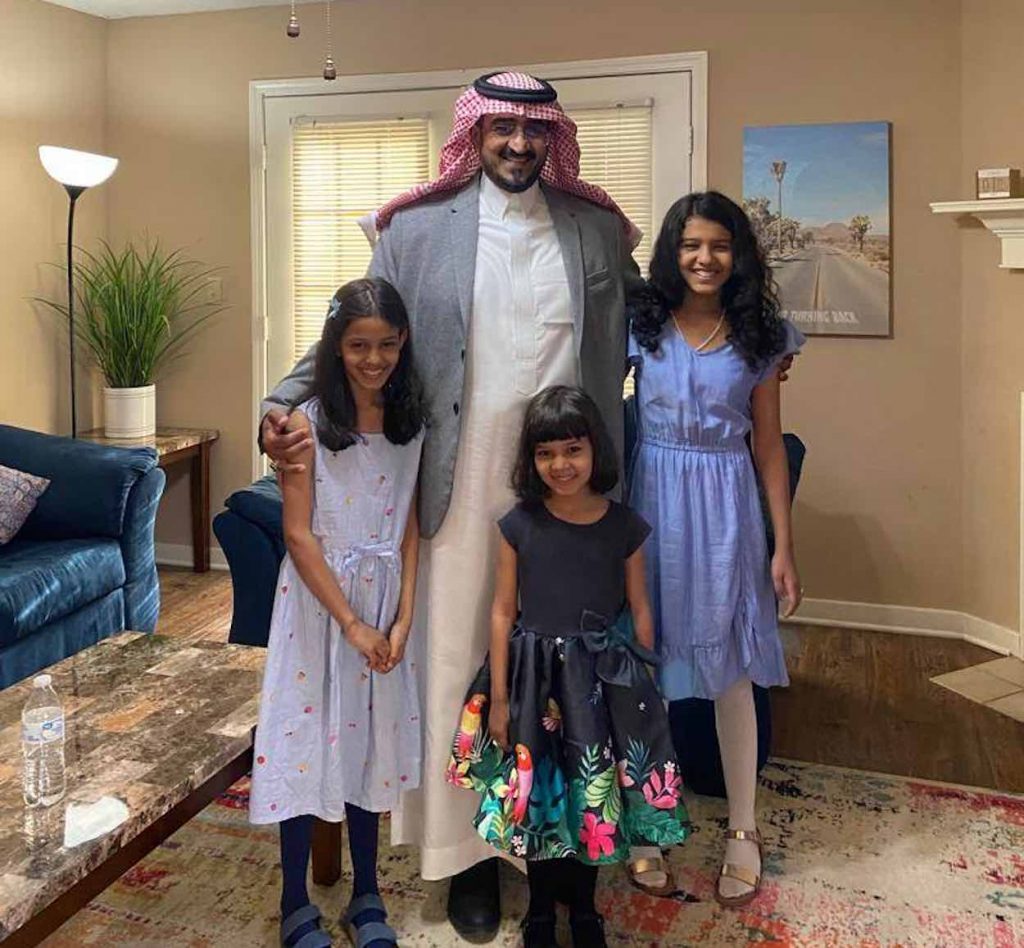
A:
995,183
1003,216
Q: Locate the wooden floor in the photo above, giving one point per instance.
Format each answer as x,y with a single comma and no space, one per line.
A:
864,699
857,699
195,605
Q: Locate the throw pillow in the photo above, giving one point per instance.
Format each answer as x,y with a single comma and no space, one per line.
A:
18,495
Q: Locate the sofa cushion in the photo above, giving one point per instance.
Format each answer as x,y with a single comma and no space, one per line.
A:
42,581
89,482
63,637
260,503
19,493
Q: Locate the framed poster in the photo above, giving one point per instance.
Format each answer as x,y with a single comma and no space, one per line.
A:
819,199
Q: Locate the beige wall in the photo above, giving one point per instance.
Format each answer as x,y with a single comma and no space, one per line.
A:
992,303
878,518
52,91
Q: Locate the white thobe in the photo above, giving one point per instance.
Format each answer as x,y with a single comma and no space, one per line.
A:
521,340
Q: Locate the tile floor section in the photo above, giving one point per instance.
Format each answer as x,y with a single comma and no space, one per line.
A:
998,685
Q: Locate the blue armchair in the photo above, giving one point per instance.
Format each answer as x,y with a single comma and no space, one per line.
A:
250,533
83,566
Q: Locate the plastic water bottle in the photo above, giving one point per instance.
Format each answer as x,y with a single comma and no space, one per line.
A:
42,743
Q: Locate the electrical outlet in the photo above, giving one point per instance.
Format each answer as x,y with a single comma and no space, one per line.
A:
213,290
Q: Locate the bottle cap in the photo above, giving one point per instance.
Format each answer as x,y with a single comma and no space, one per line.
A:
41,681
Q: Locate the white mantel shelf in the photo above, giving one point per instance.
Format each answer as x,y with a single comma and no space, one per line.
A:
1003,216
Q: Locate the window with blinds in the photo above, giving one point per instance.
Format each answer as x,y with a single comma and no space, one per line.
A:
615,152
342,171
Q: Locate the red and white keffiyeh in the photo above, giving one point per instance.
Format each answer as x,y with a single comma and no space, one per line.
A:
460,160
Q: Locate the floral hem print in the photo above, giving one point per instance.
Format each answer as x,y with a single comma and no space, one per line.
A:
591,771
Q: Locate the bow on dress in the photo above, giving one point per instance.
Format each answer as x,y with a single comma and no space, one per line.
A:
619,656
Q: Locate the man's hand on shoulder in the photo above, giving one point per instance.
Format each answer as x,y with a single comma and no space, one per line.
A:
282,446
785,364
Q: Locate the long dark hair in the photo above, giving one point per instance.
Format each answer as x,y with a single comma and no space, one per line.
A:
748,296
559,413
404,414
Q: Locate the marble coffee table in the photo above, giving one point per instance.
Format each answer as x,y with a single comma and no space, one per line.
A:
161,726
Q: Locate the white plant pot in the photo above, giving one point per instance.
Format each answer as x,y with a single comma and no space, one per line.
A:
129,412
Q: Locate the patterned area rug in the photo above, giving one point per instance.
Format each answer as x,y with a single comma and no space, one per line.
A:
853,859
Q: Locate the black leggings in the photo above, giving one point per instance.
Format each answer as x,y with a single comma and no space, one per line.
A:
562,880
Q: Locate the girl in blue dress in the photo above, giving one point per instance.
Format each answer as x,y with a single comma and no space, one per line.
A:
706,340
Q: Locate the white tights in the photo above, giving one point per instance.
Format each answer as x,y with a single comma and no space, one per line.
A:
736,723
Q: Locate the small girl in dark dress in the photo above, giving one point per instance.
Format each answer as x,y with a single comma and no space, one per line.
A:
563,732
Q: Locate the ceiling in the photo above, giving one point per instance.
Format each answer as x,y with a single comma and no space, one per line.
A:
116,9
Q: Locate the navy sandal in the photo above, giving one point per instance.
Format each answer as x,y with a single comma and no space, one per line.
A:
368,932
317,938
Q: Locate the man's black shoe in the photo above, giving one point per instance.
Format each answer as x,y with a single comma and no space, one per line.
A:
474,905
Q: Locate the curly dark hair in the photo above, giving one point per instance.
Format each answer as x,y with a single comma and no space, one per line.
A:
404,412
558,413
748,296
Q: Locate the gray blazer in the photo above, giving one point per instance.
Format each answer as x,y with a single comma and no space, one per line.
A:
428,253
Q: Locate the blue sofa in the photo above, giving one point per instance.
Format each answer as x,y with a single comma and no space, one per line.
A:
82,567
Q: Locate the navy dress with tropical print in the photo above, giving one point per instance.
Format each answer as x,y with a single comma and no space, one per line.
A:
591,770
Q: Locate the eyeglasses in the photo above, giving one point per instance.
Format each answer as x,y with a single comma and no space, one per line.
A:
533,130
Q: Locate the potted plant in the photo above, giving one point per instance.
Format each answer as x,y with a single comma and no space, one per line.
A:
134,311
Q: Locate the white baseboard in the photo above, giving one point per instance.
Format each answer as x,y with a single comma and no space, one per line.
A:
910,620
907,620
180,554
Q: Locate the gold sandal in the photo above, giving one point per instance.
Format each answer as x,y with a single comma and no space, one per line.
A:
741,873
638,867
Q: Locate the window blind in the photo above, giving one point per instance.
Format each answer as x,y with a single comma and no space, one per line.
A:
616,153
340,172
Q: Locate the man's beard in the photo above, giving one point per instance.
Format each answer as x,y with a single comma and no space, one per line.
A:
514,186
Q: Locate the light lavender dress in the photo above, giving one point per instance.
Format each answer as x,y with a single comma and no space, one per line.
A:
330,730
693,481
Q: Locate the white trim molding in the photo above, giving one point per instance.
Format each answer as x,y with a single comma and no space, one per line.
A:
180,554
1003,216
119,9
908,620
1020,534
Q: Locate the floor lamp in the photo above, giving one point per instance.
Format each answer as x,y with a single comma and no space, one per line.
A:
76,170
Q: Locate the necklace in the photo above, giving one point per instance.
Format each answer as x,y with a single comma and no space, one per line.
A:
707,341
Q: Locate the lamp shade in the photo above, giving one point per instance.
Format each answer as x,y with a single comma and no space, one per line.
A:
79,169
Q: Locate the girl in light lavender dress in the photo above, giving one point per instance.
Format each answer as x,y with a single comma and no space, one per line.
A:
706,341
339,734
